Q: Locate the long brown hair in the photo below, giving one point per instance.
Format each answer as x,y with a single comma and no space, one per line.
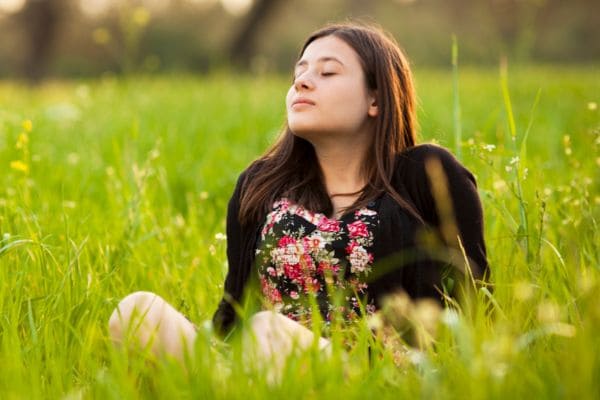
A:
290,167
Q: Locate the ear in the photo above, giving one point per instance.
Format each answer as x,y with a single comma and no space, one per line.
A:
373,109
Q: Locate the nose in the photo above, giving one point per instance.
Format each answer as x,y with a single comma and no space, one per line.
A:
303,82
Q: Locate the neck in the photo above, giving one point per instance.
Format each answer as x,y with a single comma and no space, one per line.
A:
341,163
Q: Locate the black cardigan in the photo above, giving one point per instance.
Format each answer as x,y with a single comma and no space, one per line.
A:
403,259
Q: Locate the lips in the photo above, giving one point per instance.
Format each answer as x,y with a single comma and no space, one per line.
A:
302,100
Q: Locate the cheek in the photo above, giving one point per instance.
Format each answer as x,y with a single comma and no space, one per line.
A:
351,101
288,97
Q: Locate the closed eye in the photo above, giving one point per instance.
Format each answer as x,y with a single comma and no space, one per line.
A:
327,73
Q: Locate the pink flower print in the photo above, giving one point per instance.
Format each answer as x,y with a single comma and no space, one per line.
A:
288,251
328,225
292,316
286,240
351,246
365,212
294,295
269,291
264,285
306,262
284,204
288,254
313,243
311,285
306,244
361,287
292,271
325,267
358,229
275,296
267,228
359,259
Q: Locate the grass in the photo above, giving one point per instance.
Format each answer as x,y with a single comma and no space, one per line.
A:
115,185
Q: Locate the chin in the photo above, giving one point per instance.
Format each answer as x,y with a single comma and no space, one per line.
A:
304,132
304,135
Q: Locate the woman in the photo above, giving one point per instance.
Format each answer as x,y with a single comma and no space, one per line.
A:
344,202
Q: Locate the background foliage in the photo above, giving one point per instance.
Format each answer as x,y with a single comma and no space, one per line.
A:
98,200
91,37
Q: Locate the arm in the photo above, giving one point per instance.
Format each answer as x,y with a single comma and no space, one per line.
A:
225,315
446,196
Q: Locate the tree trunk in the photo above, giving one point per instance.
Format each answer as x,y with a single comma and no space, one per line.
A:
40,19
243,44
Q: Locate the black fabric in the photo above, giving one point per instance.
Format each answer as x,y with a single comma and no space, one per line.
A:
406,256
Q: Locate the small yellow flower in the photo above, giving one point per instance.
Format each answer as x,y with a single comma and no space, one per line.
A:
22,140
19,166
27,125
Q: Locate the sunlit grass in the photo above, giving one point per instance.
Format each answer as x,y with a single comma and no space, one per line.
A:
111,186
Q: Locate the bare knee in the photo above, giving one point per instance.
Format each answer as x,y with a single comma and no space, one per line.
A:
137,303
262,318
274,329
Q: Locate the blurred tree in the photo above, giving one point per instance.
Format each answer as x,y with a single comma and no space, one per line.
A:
515,21
90,37
41,19
242,47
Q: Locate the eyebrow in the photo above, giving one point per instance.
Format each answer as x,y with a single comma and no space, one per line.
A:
321,60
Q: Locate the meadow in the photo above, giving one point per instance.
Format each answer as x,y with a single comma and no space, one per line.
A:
114,185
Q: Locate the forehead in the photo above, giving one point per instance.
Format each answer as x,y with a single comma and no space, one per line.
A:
329,48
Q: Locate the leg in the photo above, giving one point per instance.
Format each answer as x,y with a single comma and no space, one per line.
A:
276,337
144,319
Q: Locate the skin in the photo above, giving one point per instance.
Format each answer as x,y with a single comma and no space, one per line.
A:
339,121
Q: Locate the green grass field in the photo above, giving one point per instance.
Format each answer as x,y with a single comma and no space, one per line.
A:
110,186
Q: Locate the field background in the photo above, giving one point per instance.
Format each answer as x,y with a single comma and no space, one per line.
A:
113,185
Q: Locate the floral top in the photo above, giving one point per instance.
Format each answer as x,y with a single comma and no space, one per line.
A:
304,257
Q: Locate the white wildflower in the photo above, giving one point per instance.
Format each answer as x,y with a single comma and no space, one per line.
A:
220,236
450,318
69,204
73,158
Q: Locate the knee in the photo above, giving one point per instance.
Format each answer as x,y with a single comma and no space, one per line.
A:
261,316
137,303
263,320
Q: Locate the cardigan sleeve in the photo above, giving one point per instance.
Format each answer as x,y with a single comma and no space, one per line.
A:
225,316
447,199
